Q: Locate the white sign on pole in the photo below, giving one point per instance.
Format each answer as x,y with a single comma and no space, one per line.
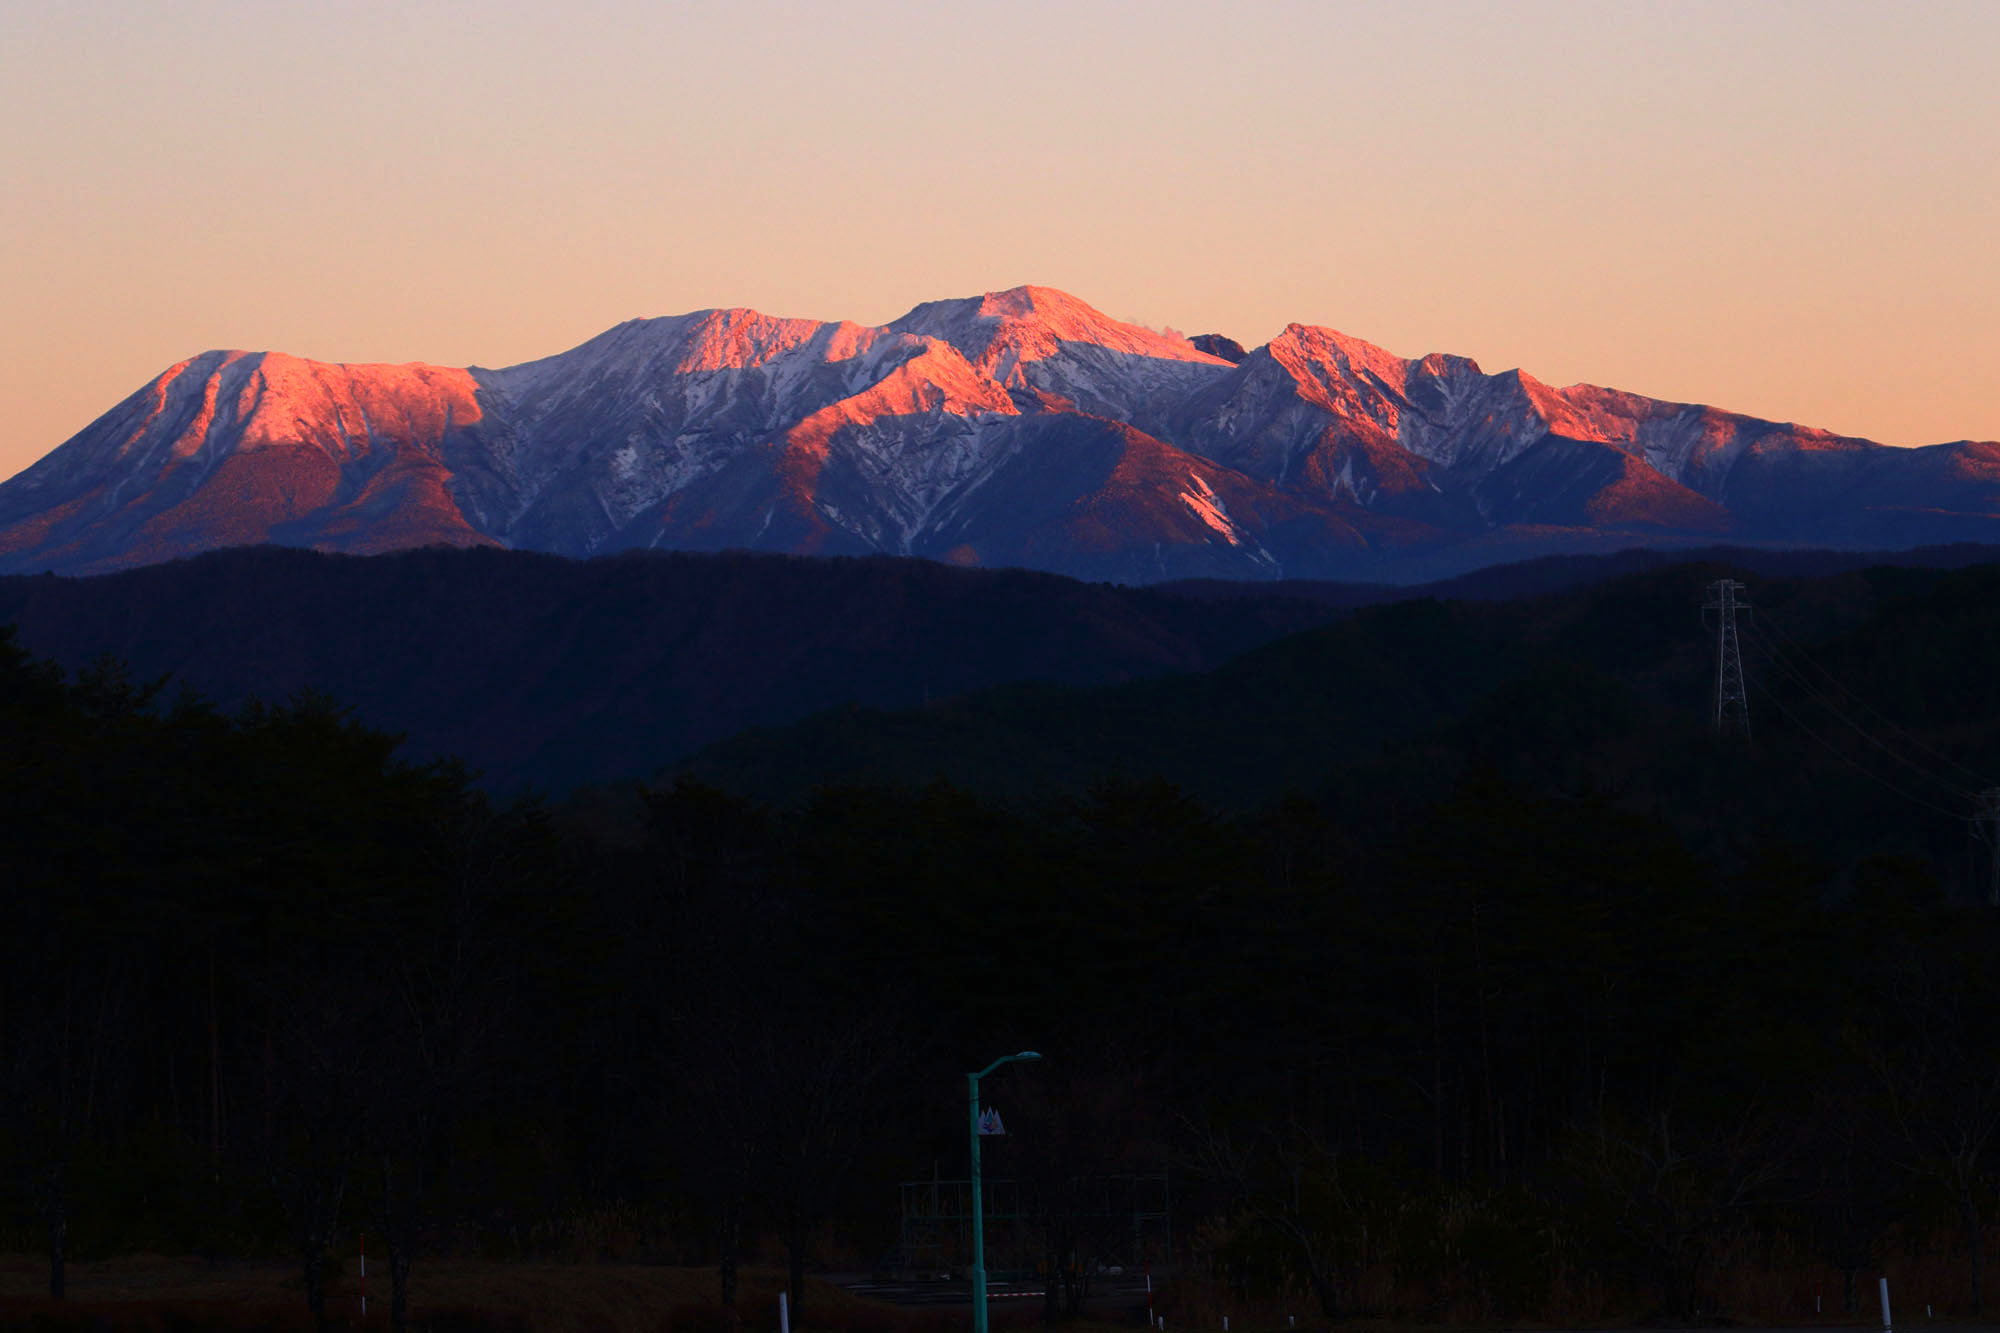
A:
989,1122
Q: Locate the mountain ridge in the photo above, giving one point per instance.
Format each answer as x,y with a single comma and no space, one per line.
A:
548,671
1018,428
545,670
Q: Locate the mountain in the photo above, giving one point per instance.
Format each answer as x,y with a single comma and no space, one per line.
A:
1020,428
542,670
1863,681
553,672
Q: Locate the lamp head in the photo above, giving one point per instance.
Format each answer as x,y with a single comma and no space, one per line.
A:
1005,1060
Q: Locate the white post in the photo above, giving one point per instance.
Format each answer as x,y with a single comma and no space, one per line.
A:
1885,1306
1225,1324
784,1312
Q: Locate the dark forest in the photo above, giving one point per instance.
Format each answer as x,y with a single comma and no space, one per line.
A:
1445,959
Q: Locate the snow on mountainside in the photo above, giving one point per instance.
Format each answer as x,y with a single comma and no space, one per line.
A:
602,436
1007,333
234,448
1057,353
1020,427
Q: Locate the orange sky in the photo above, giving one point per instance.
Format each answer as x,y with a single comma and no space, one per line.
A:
1789,209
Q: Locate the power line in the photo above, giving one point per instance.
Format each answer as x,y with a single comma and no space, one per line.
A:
1804,654
1986,828
1820,696
1849,759
1793,659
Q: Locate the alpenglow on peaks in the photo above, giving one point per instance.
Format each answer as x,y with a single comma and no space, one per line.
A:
1020,428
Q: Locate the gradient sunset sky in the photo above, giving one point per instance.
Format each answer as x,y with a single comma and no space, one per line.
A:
1787,209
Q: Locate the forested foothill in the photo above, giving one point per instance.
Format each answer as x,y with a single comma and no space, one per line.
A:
1445,958
548,672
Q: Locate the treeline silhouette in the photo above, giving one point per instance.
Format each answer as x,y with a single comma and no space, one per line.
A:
1519,996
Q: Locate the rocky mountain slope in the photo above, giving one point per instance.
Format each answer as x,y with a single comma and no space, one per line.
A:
1021,428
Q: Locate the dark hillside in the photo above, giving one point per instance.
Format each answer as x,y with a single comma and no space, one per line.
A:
540,669
1542,1005
1865,696
1556,573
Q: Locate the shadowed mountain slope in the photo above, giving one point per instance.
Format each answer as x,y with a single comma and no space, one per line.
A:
1602,686
554,672
540,669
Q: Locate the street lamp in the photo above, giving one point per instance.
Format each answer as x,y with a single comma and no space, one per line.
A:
978,1210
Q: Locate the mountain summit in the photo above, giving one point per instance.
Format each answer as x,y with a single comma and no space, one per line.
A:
1021,427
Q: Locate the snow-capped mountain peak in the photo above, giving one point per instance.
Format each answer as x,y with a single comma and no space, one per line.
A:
1054,350
1015,427
1002,331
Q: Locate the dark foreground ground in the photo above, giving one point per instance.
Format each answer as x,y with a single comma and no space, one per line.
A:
1108,1296
161,1294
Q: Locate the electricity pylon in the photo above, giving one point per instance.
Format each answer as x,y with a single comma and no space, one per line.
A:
1732,703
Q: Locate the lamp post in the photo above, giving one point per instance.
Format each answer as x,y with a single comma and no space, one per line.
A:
978,1209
